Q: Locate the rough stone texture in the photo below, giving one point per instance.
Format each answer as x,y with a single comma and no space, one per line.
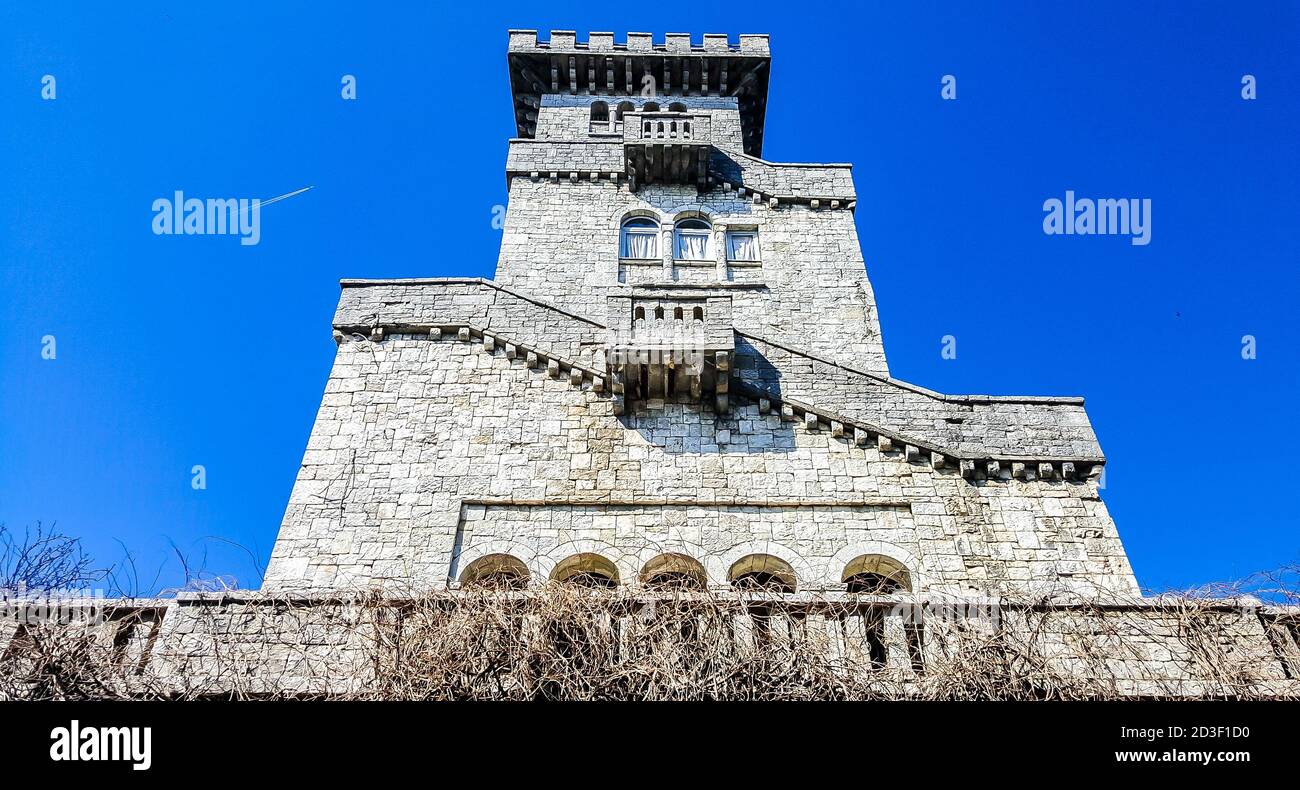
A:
419,444
564,117
465,417
246,645
561,243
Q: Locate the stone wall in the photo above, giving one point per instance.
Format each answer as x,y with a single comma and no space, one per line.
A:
564,117
561,243
466,417
250,645
428,453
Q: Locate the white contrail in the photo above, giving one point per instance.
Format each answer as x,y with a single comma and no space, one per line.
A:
289,195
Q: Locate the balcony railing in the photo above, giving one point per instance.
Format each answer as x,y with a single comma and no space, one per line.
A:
667,127
667,147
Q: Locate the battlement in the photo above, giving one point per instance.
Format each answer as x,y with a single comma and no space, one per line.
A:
638,66
566,40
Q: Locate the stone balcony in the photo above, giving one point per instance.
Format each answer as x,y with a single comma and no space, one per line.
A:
663,346
667,148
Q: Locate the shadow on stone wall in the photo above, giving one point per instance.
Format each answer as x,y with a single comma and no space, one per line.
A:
696,427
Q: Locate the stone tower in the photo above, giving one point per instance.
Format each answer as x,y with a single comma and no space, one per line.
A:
677,373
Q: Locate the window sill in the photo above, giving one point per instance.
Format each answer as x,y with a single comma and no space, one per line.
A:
746,264
642,261
693,262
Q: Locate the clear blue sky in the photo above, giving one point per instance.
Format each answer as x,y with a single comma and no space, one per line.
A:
181,350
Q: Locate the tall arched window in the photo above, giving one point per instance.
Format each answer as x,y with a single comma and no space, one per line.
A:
640,239
693,240
623,107
599,111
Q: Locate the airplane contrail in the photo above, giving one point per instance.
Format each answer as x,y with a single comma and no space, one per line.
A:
288,195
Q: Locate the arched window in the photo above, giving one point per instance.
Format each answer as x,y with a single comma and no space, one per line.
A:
586,570
677,313
639,314
659,312
650,106
677,107
876,574
622,108
500,571
599,112
693,240
640,239
762,572
698,314
674,571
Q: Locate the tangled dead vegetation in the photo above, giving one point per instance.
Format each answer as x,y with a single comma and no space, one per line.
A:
561,642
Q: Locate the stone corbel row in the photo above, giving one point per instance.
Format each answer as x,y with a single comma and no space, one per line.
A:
574,176
1030,470
816,420
813,419
556,366
759,197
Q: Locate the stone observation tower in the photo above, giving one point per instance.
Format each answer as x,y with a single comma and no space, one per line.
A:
676,374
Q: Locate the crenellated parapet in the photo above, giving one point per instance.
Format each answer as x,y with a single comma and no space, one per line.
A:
639,66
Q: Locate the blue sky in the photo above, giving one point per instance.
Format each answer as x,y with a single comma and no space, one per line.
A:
174,351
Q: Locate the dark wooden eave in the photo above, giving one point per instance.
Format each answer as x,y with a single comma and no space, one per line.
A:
542,68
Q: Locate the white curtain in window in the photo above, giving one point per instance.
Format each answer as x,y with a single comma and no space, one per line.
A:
693,245
639,243
742,246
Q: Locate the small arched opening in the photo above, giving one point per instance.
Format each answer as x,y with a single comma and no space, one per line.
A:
876,574
762,572
586,570
496,571
674,571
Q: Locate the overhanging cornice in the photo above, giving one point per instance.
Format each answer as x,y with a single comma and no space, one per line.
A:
601,67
